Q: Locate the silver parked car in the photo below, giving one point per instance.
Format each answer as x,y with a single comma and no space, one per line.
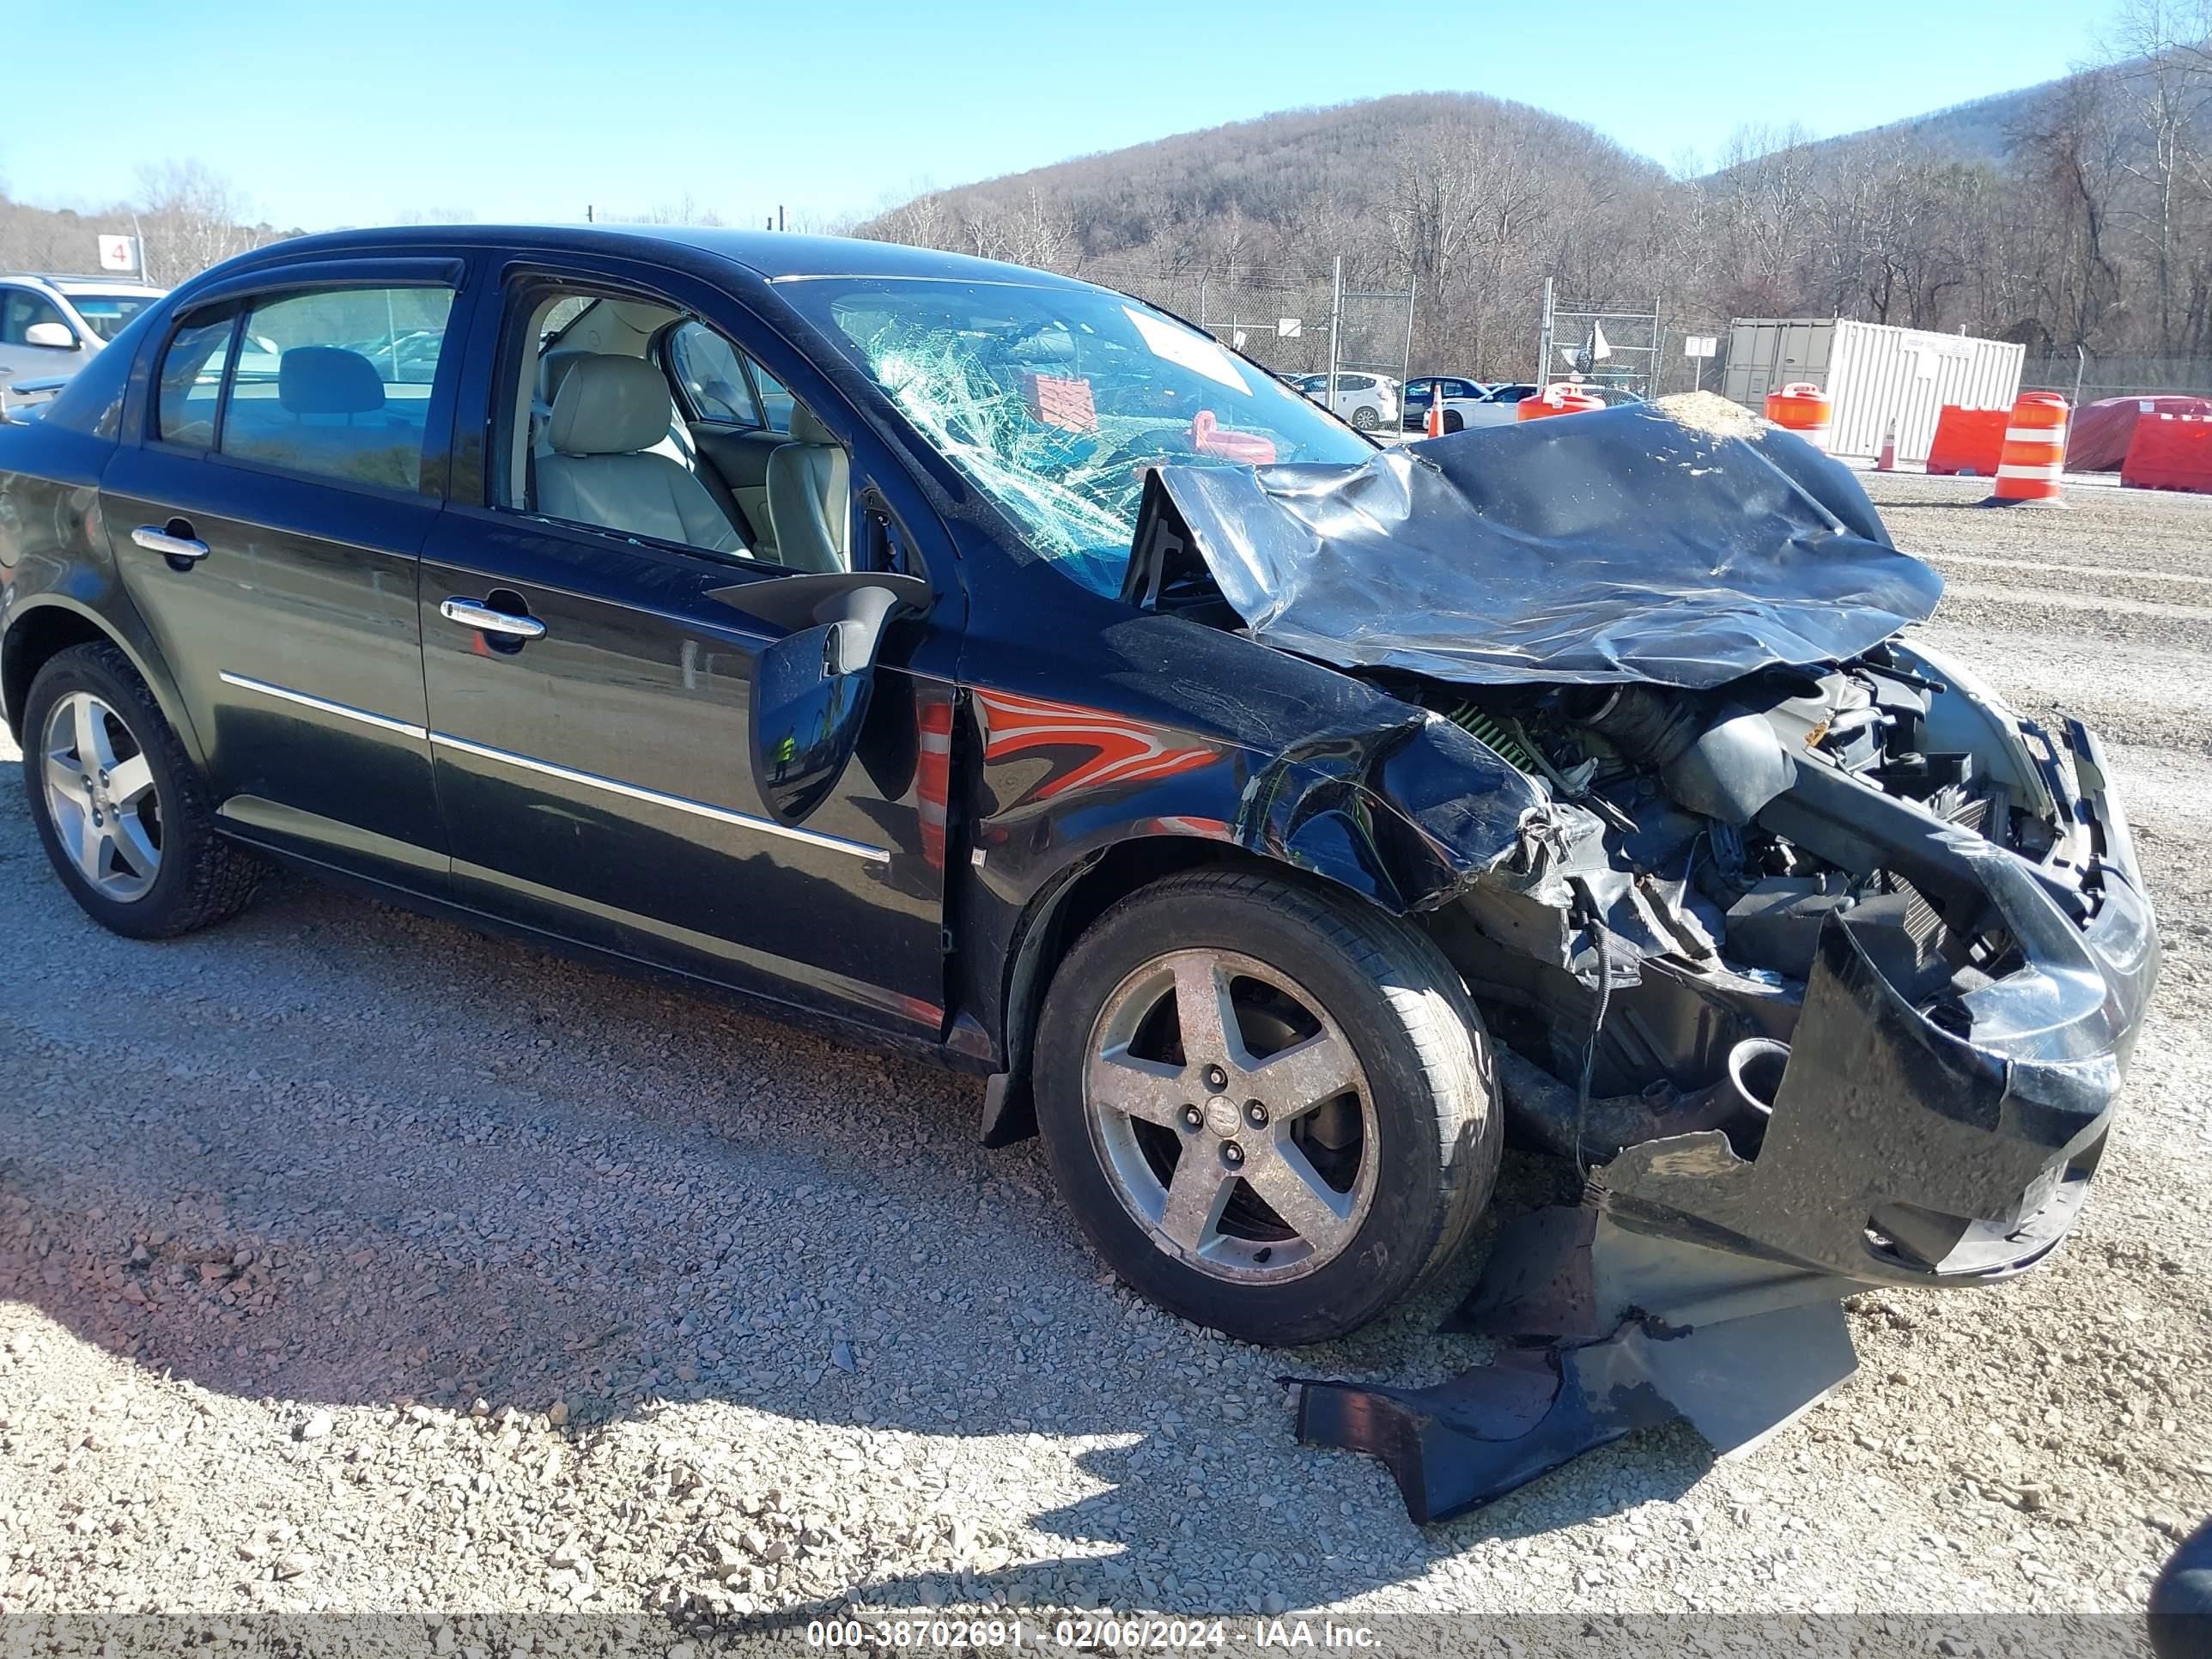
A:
51,327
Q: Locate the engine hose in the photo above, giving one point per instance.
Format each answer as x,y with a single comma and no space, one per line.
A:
1596,933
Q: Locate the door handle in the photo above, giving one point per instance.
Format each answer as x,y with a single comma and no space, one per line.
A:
182,548
474,613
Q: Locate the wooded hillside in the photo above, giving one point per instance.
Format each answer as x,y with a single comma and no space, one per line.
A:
2074,213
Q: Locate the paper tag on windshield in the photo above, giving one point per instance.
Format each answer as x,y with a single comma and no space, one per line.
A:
1193,351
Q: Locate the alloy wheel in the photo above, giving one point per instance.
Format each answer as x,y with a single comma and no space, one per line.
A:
1233,1120
100,797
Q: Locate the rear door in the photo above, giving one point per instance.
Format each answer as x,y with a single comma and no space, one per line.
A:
269,520
595,755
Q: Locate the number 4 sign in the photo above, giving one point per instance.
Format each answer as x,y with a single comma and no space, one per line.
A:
119,253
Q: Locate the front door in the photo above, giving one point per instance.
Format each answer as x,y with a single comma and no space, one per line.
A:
22,309
269,526
589,660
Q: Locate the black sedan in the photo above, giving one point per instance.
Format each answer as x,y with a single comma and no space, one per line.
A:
981,663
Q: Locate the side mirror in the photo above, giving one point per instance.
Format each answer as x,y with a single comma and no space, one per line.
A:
811,688
58,336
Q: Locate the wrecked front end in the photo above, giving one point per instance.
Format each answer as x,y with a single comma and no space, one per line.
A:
1820,963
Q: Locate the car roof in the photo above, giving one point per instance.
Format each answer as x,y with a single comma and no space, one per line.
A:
104,285
778,256
81,284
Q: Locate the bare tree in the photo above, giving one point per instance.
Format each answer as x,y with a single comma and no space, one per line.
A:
191,218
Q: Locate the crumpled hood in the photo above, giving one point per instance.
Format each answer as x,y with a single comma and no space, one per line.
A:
1621,545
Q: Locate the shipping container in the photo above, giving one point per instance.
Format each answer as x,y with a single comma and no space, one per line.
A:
1872,374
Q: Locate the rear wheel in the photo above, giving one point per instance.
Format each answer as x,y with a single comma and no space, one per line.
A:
124,816
1270,1108
1365,418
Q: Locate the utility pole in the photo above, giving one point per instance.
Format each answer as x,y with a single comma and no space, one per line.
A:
1335,330
1406,369
1543,374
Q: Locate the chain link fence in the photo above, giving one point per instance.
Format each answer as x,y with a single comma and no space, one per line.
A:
2085,376
1277,315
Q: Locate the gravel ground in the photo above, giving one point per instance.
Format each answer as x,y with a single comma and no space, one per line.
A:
352,1261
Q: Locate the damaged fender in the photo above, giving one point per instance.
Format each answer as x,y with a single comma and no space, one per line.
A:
1371,793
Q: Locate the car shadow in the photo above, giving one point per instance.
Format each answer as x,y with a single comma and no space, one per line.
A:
337,1153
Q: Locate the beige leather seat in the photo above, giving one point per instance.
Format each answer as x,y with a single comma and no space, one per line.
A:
810,488
608,415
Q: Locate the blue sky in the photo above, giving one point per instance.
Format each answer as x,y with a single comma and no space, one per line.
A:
337,114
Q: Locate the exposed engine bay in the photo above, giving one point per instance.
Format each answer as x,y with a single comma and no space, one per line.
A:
1699,841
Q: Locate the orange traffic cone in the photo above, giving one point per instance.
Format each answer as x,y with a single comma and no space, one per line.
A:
2034,453
1558,398
1887,462
1434,426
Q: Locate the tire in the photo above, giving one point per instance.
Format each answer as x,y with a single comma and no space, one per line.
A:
1365,418
1452,422
194,877
1428,1128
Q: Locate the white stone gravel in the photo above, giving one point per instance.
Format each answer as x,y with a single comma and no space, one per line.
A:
350,1261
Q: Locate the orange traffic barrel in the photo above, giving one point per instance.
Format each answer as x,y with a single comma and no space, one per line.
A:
1802,408
1561,399
2035,452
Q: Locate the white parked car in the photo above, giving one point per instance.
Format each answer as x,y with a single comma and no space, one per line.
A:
1368,401
1500,406
1460,397
51,327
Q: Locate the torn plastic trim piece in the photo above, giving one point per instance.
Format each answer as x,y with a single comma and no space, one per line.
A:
1766,1346
1491,1429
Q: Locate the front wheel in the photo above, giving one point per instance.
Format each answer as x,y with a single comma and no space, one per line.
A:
1271,1108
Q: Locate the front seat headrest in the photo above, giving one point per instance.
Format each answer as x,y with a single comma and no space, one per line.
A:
553,368
805,429
609,405
328,380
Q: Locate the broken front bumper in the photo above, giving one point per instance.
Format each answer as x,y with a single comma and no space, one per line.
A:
1946,1145
1938,1146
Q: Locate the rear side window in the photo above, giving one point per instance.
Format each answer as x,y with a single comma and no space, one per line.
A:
336,383
192,382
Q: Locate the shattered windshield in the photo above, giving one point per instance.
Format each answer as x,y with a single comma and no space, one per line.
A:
1055,402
